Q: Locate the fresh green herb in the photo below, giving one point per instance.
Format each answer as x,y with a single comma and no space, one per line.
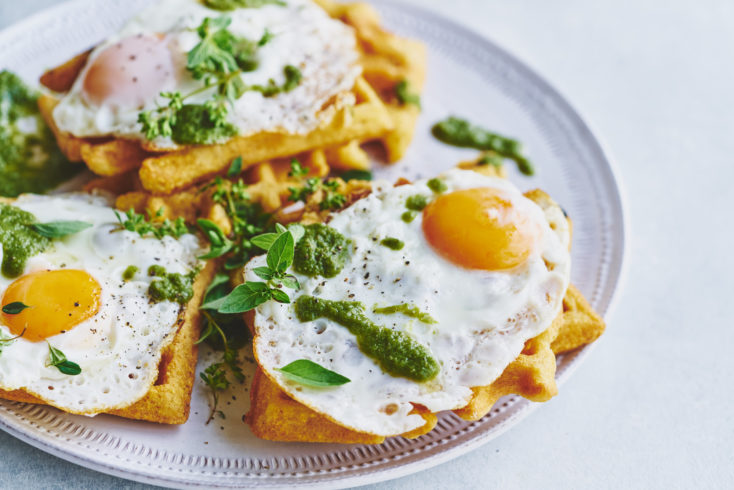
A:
170,286
58,360
356,175
156,270
408,216
248,220
220,244
309,373
130,272
392,243
459,132
137,223
437,185
322,251
405,95
265,241
59,229
14,308
219,60
298,171
251,294
301,193
491,158
331,199
6,340
227,5
416,202
230,334
407,310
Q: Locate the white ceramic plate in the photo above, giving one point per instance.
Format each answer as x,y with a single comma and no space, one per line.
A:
468,76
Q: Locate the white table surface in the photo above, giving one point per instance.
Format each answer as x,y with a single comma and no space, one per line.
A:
651,407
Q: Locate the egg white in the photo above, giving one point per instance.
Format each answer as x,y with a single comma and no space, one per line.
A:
119,348
303,35
484,318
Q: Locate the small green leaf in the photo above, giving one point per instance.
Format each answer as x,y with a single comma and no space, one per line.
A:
235,167
309,373
58,360
58,229
245,297
392,243
280,296
280,228
297,231
408,216
405,95
290,282
265,240
68,367
14,308
280,253
220,244
263,273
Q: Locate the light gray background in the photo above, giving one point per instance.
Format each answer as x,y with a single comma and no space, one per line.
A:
651,406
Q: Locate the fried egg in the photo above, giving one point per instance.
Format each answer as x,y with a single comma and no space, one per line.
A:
486,263
126,73
80,304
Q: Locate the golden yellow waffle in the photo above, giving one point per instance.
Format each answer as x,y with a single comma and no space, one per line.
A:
377,115
275,416
386,60
167,401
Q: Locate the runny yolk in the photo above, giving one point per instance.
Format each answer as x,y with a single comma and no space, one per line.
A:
58,300
479,229
131,72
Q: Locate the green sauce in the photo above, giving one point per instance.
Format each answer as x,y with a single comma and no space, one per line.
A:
322,251
175,287
19,241
392,243
195,125
416,203
437,185
407,310
129,273
30,160
396,352
459,132
408,216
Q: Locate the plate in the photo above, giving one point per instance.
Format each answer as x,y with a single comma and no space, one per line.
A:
468,76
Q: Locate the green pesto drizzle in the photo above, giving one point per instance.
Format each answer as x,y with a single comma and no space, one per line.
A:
407,310
396,352
416,202
459,132
392,243
19,241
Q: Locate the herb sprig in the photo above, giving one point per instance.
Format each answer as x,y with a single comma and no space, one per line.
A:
152,225
332,198
251,294
57,359
219,60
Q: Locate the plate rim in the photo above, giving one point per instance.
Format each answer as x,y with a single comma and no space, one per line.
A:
615,280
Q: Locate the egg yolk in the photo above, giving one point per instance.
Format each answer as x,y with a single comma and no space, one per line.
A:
131,72
58,300
479,229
